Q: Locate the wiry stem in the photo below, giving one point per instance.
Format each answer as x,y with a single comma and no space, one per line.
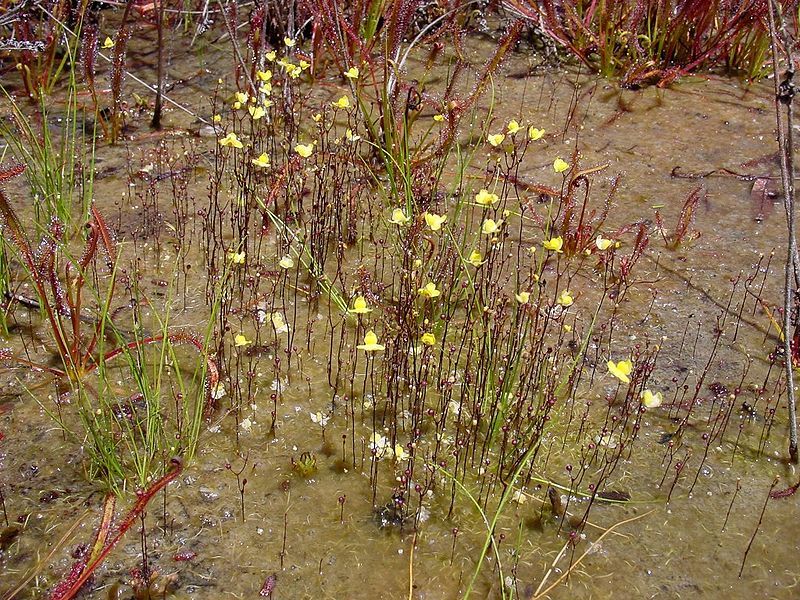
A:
784,93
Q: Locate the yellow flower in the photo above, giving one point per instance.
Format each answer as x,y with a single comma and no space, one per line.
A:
216,119
108,43
435,221
559,166
486,198
256,112
304,65
513,127
602,243
428,339
490,226
236,258
535,134
438,118
400,453
304,150
270,56
475,259
429,291
399,217
262,161
264,75
290,43
279,323
351,73
495,139
286,262
231,140
651,400
523,297
351,137
555,244
316,117
343,102
241,98
239,340
565,299
359,306
370,343
621,370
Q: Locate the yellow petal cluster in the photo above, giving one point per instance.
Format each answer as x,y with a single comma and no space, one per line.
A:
370,343
435,221
359,306
495,139
560,165
231,141
486,198
621,370
429,290
554,244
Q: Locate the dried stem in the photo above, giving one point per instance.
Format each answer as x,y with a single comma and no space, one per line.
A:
784,93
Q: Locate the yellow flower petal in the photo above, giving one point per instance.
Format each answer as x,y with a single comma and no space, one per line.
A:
231,141
290,43
523,297
495,139
559,165
399,217
236,258
428,339
429,290
438,118
475,259
435,221
603,244
256,112
286,262
108,43
351,73
513,127
565,299
535,134
359,306
343,102
486,198
621,370
262,161
240,340
554,244
304,150
370,343
490,226
651,400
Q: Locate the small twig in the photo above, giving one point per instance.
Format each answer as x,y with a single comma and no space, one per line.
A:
758,525
784,93
411,568
574,565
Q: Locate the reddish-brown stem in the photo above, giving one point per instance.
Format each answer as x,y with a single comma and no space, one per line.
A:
144,498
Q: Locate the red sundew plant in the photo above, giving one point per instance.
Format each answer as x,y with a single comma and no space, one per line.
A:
64,286
656,42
